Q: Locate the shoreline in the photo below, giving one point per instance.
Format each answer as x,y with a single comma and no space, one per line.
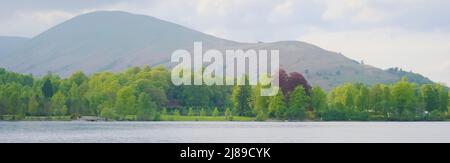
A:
175,119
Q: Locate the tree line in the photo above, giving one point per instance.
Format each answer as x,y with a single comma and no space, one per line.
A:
147,94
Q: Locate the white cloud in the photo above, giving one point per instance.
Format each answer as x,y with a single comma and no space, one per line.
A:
49,17
25,23
285,8
216,7
355,10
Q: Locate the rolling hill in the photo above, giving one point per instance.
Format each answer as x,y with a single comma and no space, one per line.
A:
113,41
9,44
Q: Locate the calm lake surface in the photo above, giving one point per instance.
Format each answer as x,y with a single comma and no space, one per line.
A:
224,132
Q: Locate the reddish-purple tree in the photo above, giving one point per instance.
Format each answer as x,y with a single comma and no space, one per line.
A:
289,82
296,79
284,80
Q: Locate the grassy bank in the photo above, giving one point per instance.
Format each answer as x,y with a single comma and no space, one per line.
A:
205,118
35,118
188,118
131,118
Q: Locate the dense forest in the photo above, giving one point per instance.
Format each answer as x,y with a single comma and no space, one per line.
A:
147,94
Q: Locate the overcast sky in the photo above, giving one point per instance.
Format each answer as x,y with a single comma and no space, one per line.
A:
411,34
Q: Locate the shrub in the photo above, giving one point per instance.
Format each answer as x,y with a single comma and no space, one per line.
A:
216,112
203,112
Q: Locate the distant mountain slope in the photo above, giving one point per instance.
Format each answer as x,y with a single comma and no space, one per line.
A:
113,41
9,44
105,41
412,77
324,68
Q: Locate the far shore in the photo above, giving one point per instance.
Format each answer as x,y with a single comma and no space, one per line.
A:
128,118
169,118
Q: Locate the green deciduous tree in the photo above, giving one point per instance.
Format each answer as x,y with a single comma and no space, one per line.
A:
109,114
125,102
298,104
146,108
78,78
430,94
404,98
362,98
319,100
443,98
74,101
376,99
260,103
33,106
59,104
277,106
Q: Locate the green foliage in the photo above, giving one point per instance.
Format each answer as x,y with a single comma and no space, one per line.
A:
109,113
33,105
412,77
443,98
298,103
431,97
262,116
403,94
75,102
203,112
277,106
191,112
435,115
216,112
402,101
204,118
78,78
80,95
228,114
260,103
157,116
242,96
362,98
376,99
125,102
11,77
59,104
176,112
448,102
334,115
139,93
164,112
47,88
146,108
319,100
201,96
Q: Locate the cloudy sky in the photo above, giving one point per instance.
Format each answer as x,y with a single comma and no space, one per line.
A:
411,34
